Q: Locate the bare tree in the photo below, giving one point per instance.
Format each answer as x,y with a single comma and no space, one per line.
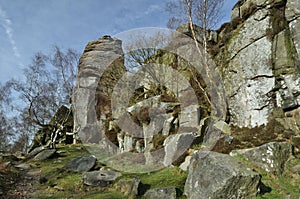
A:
142,52
48,85
204,13
6,133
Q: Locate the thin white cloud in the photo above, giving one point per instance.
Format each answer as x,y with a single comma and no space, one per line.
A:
153,8
7,25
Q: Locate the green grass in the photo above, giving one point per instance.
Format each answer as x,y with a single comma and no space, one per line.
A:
65,184
281,186
166,177
285,185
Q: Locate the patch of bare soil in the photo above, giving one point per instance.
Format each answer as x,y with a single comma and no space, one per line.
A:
20,184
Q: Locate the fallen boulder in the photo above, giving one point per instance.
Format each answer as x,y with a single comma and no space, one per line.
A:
100,178
82,164
45,154
36,151
215,175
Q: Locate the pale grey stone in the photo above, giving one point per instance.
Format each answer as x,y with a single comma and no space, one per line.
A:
271,156
215,175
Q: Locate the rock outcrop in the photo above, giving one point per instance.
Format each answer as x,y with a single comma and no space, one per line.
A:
100,68
260,66
150,122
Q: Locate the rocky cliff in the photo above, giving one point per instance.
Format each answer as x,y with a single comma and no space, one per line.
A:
226,125
258,55
258,93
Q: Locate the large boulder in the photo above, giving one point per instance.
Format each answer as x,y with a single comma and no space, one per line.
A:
215,175
100,178
36,151
45,154
81,164
216,135
271,156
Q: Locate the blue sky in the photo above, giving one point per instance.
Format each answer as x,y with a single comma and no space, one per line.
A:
30,26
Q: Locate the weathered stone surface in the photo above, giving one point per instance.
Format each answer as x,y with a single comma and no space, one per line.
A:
150,117
100,178
129,187
261,70
249,74
190,116
168,124
285,70
162,193
214,175
217,136
176,146
45,154
249,80
242,7
185,29
246,35
292,10
100,67
271,157
81,164
294,28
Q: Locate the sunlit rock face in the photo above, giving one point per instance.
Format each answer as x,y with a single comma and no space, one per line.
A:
100,67
260,60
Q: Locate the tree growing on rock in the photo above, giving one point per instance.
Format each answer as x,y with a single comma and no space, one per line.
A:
48,86
204,13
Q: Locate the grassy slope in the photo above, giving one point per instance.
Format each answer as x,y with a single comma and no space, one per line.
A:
65,184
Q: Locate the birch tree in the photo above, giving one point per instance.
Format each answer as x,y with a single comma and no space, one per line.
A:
203,13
